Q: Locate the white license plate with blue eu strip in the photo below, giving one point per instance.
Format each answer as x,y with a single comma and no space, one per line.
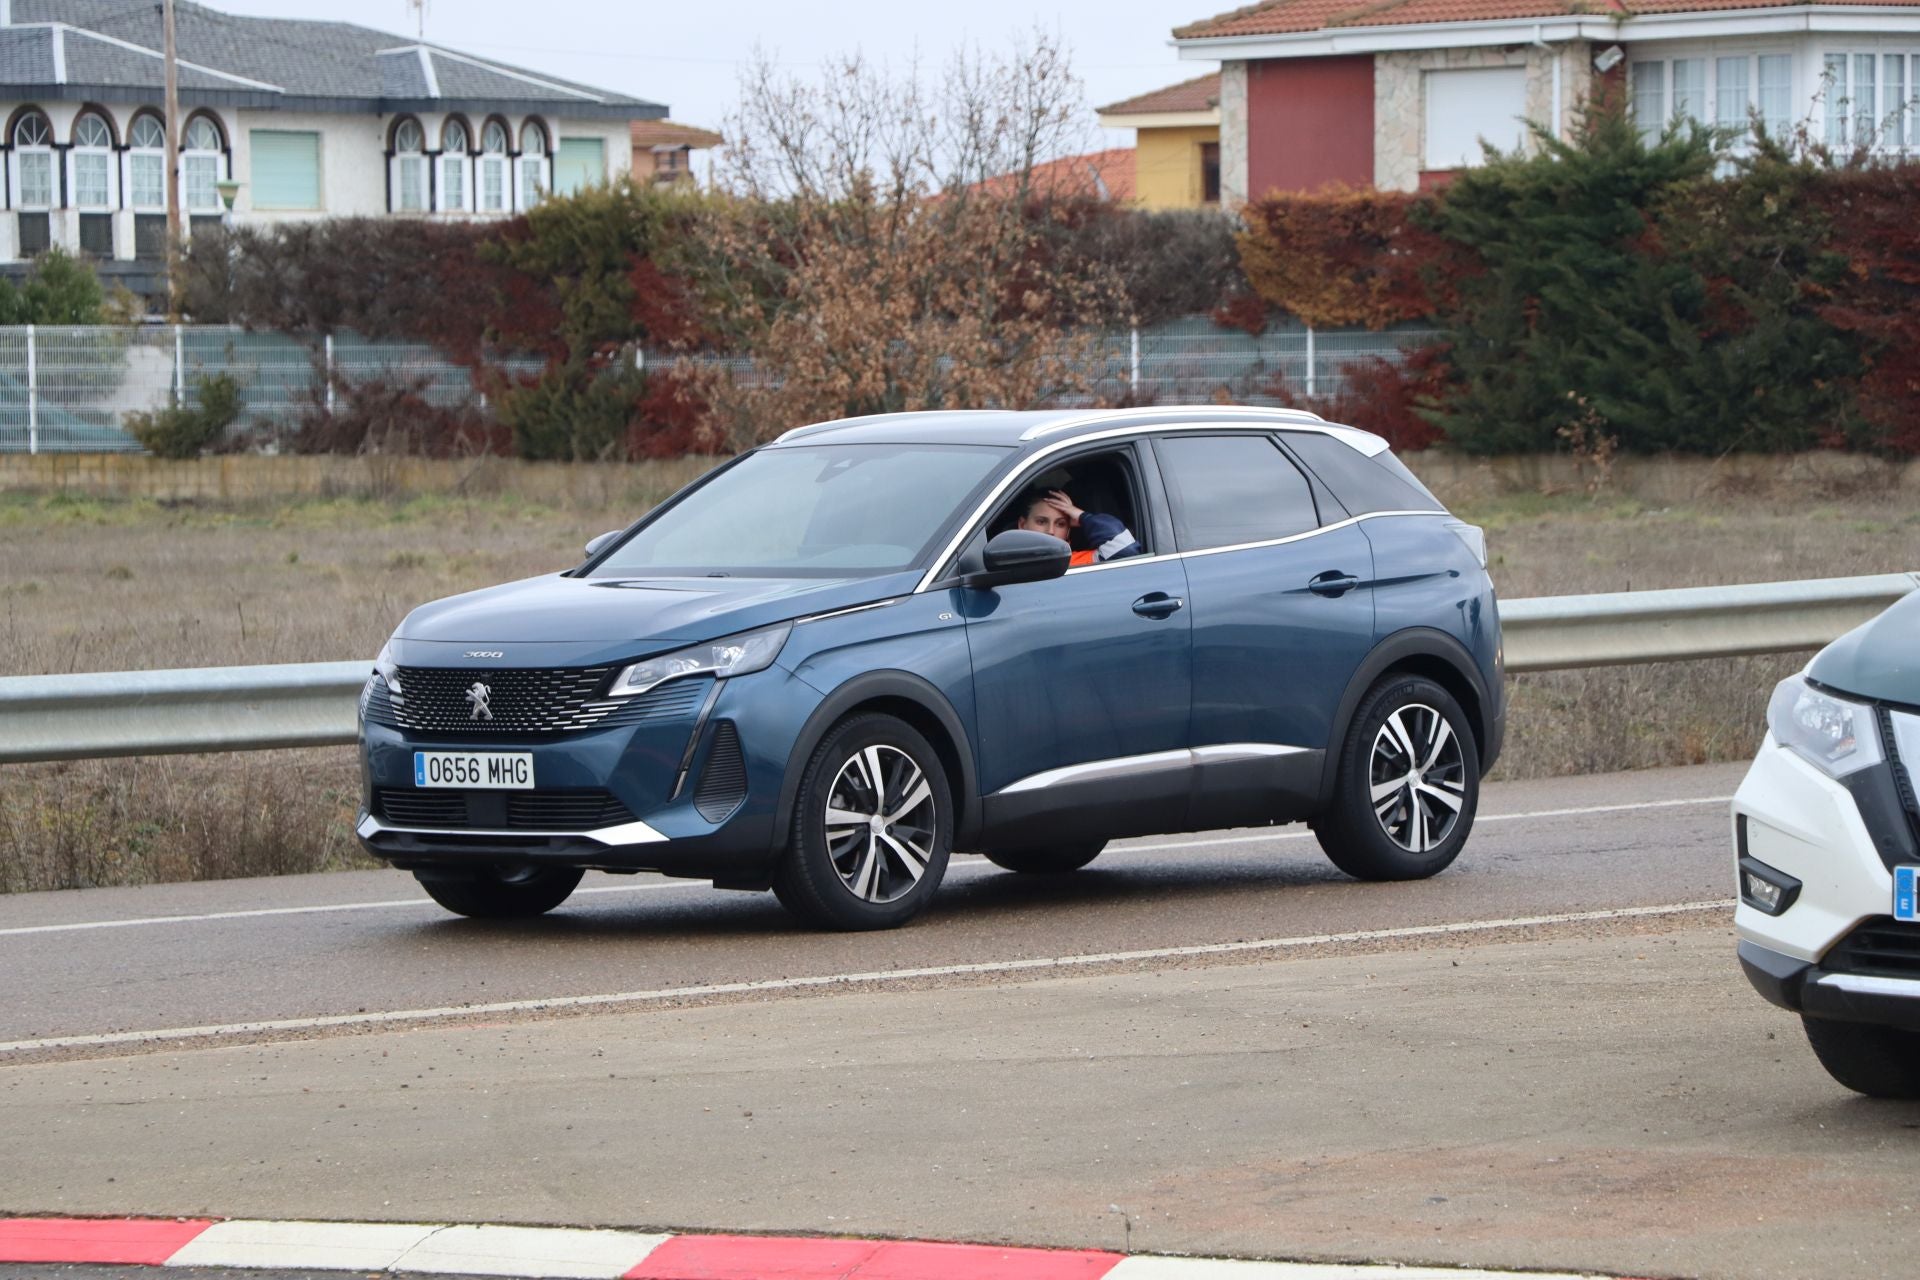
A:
474,770
1906,888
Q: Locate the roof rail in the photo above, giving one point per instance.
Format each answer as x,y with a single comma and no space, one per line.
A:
813,428
1168,411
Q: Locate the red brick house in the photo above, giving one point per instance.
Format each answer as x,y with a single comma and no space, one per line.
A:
1401,93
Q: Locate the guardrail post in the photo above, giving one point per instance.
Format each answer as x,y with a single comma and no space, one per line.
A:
33,395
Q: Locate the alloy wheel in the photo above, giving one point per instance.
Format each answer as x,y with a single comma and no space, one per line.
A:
1418,777
880,823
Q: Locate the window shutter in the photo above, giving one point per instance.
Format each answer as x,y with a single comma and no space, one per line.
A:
580,162
286,169
1465,106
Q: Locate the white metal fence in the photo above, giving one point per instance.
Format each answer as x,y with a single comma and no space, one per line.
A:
70,389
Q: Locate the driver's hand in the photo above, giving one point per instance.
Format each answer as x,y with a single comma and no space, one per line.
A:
1064,505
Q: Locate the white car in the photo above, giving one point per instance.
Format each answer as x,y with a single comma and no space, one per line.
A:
1826,827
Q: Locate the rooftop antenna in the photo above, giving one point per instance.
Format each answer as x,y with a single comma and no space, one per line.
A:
419,8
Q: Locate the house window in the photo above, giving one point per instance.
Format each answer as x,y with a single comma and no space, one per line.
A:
1210,172
534,180
1869,99
200,165
1690,89
1776,93
286,169
453,166
1467,107
1731,93
33,162
409,167
493,167
92,163
147,163
580,163
1649,88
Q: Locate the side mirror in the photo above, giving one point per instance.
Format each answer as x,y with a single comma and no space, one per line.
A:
594,547
1021,555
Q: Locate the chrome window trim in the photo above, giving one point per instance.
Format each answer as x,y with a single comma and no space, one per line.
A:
1870,985
1152,762
841,613
624,834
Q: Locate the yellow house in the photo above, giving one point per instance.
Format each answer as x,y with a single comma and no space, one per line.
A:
1177,143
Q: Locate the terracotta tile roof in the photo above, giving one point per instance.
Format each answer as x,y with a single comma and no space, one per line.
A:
1101,175
1280,17
665,133
1195,95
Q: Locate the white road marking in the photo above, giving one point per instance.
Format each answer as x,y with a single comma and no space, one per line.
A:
666,994
963,858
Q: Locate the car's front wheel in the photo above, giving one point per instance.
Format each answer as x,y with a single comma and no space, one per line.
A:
502,893
1047,859
872,828
1406,786
1881,1062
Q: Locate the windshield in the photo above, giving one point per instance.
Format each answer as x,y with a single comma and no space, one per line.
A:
820,511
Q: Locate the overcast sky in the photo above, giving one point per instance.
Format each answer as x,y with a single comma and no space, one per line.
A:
686,54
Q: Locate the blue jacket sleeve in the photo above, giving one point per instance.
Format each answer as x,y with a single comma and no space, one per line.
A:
1109,538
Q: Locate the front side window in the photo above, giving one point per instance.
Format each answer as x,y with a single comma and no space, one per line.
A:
1231,489
849,510
147,164
409,167
33,154
200,166
92,163
493,167
453,166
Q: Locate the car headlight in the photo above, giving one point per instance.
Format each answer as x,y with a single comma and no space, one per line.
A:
385,669
739,655
1836,736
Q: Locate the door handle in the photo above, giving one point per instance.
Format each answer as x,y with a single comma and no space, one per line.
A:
1157,604
1333,582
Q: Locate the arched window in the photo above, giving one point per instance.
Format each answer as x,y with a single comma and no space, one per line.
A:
454,163
535,181
493,167
147,163
92,163
200,154
33,162
409,166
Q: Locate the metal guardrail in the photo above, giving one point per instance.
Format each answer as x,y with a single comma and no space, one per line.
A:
134,713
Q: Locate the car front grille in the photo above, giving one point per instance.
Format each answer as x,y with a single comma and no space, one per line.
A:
1879,947
549,700
499,810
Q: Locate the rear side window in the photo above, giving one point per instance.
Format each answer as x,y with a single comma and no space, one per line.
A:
1226,490
1362,484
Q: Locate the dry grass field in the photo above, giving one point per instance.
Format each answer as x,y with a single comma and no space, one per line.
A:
114,585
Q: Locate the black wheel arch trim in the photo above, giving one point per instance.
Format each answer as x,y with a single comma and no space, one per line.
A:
874,686
1414,642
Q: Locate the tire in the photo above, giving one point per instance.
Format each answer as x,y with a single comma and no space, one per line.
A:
503,893
1881,1062
1047,860
1374,831
854,875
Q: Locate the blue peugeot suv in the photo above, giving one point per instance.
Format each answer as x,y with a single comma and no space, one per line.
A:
830,662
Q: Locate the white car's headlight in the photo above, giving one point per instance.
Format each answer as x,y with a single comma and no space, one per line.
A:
1837,736
739,655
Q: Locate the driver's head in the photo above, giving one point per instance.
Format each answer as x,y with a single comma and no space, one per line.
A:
1043,517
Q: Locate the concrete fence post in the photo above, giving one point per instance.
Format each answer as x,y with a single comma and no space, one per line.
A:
33,394
329,375
1133,361
179,365
1313,364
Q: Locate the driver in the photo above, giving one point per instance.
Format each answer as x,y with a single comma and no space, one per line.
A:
1051,511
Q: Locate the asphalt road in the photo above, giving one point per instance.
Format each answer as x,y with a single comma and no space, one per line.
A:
1490,1073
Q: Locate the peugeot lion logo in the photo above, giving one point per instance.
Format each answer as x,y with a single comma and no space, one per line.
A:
478,697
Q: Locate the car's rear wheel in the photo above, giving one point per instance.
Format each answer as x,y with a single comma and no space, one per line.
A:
1407,784
872,828
502,893
1881,1062
1047,859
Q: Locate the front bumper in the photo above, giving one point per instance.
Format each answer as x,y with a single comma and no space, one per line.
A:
1793,819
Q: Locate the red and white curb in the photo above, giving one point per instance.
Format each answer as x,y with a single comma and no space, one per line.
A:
619,1255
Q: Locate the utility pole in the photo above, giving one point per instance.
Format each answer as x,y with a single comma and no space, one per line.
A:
173,166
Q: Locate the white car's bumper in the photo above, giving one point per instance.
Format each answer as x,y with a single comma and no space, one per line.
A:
1830,946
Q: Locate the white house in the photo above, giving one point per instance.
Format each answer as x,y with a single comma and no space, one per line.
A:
312,119
1399,94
